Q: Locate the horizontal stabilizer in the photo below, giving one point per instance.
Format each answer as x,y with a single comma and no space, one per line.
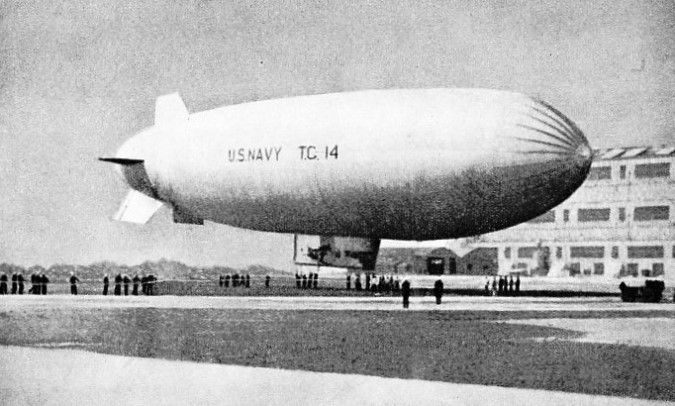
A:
170,110
137,208
122,161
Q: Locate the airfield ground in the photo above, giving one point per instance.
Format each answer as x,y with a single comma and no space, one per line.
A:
591,346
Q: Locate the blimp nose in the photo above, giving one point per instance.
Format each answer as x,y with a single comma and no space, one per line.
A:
550,132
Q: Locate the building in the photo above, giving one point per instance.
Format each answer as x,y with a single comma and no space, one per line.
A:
620,222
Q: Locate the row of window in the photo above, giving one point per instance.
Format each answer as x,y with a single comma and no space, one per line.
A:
642,171
629,270
643,213
635,251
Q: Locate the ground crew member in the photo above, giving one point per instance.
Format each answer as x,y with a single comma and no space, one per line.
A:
3,284
14,284
349,281
126,280
34,288
517,283
267,281
227,281
438,291
106,282
405,290
144,284
43,280
136,281
20,281
73,283
118,285
151,284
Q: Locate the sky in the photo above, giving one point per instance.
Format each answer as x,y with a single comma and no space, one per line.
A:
79,77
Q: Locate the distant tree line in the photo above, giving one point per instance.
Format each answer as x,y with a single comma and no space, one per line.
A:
164,269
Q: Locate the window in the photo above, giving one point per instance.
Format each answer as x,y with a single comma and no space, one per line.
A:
566,216
587,252
654,251
622,171
648,213
657,269
600,173
615,252
586,215
575,268
622,214
507,252
632,269
526,252
661,170
548,217
598,268
558,252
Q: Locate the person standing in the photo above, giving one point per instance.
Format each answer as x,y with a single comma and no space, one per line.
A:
349,281
367,281
226,283
267,281
14,283
221,280
144,284
151,284
248,280
73,283
298,282
511,285
316,280
106,282
501,285
304,281
20,281
3,284
136,281
43,281
126,280
438,291
118,285
405,291
517,284
357,282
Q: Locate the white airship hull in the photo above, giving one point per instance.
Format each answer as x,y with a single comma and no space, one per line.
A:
391,164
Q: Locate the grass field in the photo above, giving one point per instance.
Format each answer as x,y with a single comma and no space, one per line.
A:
463,347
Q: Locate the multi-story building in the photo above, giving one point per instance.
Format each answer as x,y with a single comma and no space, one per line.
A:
620,222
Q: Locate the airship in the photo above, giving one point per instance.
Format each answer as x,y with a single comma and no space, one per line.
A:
357,167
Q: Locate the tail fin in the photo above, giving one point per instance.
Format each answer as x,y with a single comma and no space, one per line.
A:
137,208
170,110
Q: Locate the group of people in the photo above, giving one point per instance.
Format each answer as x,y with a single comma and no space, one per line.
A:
122,282
505,285
373,283
307,281
38,282
238,280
